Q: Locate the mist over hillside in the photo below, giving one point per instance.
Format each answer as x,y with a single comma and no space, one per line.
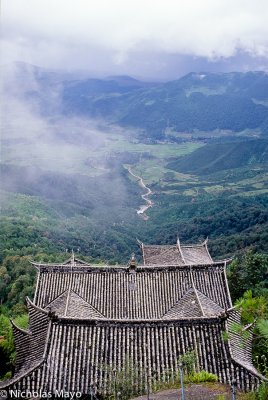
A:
202,102
224,102
69,140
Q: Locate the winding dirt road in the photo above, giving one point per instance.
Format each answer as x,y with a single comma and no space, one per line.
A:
141,211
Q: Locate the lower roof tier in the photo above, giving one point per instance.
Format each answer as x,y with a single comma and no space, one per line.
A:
77,354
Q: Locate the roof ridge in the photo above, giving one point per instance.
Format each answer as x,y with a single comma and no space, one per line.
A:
196,294
189,291
159,245
137,320
193,245
179,247
208,298
77,266
67,301
56,298
74,258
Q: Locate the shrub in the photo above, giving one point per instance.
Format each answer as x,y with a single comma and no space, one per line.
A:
188,361
202,376
262,393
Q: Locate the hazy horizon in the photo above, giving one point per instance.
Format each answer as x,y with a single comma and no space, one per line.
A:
155,40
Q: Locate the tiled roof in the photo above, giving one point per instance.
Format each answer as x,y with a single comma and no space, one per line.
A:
170,255
139,294
70,304
196,254
194,304
89,320
31,345
81,352
176,254
240,346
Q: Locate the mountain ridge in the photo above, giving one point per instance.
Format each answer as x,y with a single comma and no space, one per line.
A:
197,102
234,102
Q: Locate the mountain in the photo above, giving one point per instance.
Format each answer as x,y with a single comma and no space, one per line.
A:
222,156
80,97
203,102
196,103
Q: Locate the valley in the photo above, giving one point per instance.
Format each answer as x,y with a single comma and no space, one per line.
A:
100,199
142,210
72,179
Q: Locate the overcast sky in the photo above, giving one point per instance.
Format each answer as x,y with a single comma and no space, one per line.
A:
150,39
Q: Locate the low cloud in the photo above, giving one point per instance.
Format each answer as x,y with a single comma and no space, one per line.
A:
51,155
104,35
34,130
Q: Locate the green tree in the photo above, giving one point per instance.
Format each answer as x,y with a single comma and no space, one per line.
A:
7,349
254,310
248,272
7,346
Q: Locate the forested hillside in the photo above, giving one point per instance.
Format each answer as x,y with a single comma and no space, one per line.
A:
219,157
195,104
217,191
202,102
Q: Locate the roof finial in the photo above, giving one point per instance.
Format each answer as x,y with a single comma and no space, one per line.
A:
139,242
132,262
72,260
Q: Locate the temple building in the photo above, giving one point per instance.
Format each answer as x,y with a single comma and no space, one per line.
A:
88,322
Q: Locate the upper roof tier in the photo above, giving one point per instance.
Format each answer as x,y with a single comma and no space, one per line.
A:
176,254
153,256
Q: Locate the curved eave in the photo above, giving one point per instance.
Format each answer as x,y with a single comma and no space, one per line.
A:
28,371
17,328
31,304
250,368
234,308
16,378
226,260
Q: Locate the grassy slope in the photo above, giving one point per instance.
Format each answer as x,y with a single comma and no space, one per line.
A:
218,157
229,206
